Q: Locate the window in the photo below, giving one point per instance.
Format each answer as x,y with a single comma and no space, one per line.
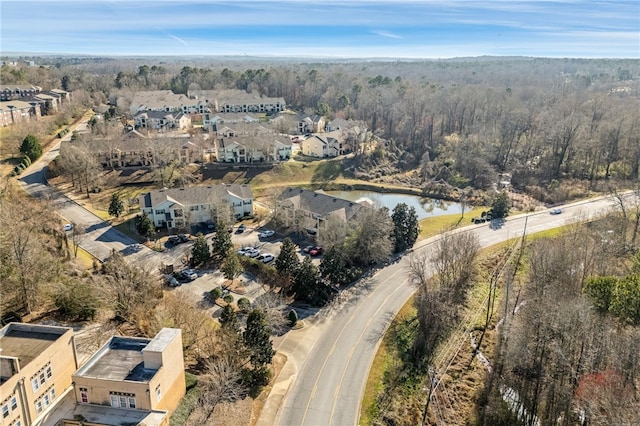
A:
17,423
52,393
45,399
34,384
5,411
114,401
14,403
123,402
39,406
158,393
49,372
160,211
132,402
42,378
84,397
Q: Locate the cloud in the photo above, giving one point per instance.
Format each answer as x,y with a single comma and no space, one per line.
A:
386,34
179,39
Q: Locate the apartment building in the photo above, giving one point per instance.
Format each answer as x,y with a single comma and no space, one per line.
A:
134,373
12,112
181,207
18,91
239,101
36,364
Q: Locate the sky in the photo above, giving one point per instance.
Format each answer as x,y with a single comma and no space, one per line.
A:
323,29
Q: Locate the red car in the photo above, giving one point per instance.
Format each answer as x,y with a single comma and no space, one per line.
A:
316,251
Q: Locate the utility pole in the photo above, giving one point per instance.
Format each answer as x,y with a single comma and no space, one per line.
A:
432,383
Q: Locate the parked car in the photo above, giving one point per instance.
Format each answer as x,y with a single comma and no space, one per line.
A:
184,238
172,281
316,251
67,226
240,229
555,211
266,233
307,249
266,258
175,240
252,252
186,275
242,250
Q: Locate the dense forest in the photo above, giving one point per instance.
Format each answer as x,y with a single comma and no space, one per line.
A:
458,123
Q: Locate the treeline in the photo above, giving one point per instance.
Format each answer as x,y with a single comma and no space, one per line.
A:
459,122
553,341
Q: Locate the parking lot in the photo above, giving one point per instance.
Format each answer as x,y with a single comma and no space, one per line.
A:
207,280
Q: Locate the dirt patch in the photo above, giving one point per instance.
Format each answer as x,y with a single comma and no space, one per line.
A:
237,286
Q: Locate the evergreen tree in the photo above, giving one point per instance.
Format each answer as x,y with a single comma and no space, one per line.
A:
144,225
405,227
287,261
306,282
116,206
232,267
31,147
200,251
221,243
335,268
256,339
229,318
500,206
626,300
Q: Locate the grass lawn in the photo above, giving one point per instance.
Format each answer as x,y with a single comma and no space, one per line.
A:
384,358
83,259
437,224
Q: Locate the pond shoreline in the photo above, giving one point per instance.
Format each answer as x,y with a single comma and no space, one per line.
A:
381,189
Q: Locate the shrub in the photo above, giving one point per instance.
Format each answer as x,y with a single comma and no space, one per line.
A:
216,293
191,380
293,317
26,160
244,304
228,298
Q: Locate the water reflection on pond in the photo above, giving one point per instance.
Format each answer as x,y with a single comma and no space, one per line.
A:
425,207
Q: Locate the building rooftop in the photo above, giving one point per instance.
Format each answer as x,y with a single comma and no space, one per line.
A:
162,339
25,342
195,194
120,359
319,203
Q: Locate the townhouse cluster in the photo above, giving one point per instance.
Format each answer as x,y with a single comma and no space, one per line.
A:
129,380
25,102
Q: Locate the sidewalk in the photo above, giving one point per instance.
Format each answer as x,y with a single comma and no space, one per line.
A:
295,345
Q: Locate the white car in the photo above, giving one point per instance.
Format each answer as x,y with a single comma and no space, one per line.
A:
252,252
266,258
68,226
267,233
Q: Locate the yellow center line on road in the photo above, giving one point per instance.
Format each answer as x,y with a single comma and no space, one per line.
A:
326,360
353,348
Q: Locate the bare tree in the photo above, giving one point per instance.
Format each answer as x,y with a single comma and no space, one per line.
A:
454,262
273,306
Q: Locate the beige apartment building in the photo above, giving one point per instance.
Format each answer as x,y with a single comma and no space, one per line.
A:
130,380
36,364
134,373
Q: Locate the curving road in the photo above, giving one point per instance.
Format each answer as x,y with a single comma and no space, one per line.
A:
330,359
99,238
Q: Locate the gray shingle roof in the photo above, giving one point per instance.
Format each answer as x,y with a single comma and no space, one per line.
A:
318,202
195,194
